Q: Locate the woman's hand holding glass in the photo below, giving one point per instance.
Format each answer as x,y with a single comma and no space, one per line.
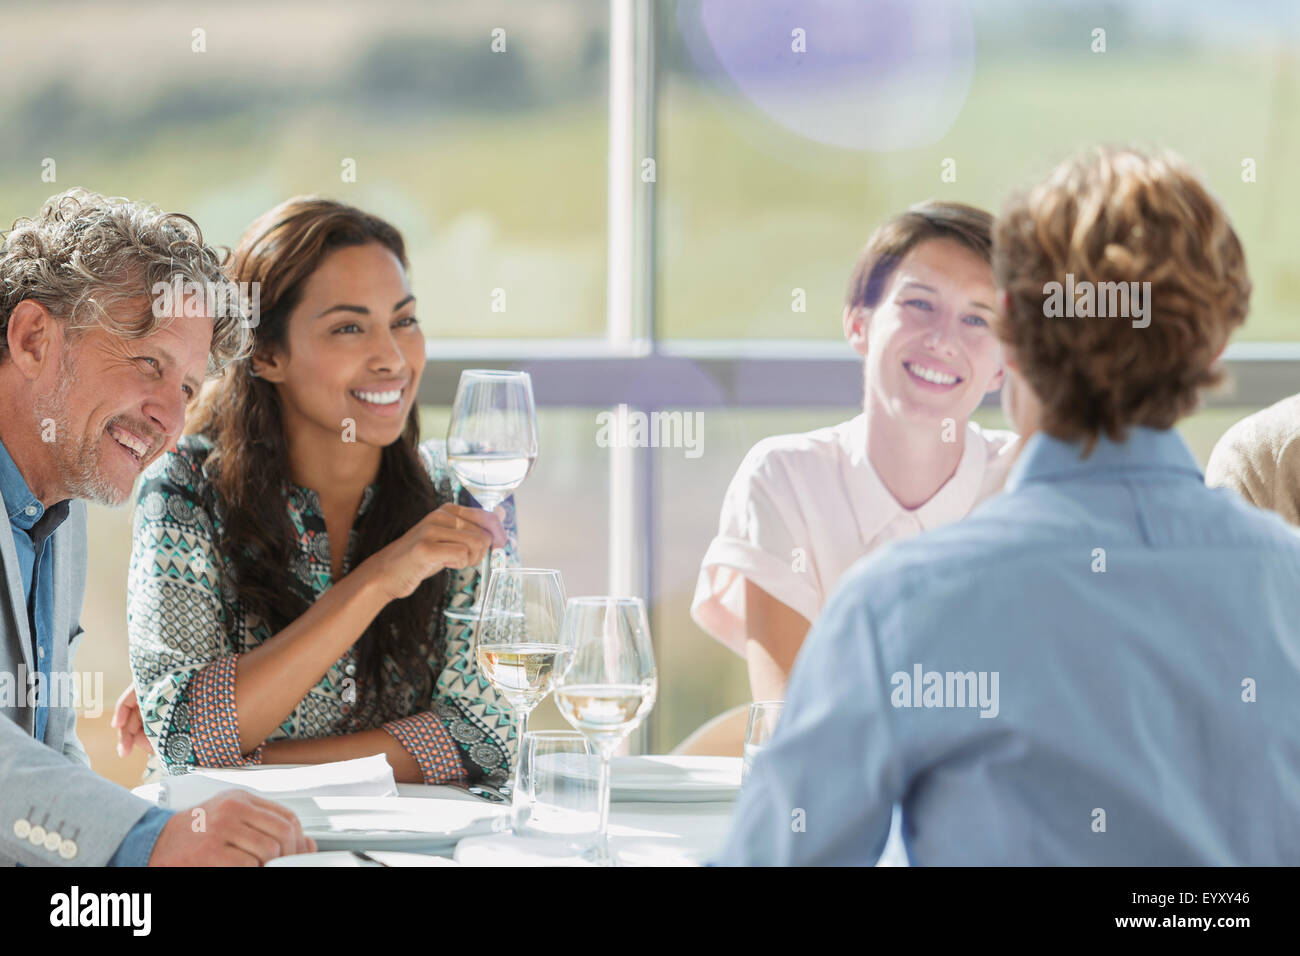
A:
453,536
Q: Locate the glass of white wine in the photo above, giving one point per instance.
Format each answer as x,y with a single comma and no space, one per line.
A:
491,446
609,682
517,641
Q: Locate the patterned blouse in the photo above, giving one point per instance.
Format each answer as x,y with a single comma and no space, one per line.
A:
187,629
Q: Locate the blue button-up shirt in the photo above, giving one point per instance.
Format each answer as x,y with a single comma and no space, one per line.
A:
32,525
1099,666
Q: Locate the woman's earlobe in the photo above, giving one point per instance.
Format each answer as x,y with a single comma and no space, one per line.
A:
855,320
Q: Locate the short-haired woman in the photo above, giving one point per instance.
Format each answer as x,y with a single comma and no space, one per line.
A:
803,508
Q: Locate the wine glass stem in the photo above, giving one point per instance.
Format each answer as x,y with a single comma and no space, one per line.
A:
480,592
521,720
602,844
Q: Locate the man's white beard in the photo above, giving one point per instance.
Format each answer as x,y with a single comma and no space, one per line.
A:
80,465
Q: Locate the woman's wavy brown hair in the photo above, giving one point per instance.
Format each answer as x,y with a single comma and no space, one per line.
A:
249,463
1119,215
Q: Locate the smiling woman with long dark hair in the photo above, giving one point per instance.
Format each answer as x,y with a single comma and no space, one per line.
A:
294,554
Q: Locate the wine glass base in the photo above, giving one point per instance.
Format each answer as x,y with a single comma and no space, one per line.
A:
599,855
463,613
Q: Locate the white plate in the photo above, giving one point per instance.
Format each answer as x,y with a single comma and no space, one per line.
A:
420,824
674,779
346,859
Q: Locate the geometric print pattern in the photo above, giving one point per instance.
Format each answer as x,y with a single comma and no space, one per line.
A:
187,629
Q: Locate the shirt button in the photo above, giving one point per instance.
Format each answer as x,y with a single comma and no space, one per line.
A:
40,652
30,511
22,828
52,841
36,836
67,849
347,708
350,670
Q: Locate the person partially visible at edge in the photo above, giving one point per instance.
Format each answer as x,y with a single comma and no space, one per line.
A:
1259,458
294,555
803,508
95,375
1101,665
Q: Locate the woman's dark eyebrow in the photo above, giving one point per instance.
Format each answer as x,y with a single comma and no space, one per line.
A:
358,309
361,309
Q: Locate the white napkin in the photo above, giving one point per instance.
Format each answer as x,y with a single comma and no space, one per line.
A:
363,777
427,815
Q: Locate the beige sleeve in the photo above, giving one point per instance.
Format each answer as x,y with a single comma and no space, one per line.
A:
1260,463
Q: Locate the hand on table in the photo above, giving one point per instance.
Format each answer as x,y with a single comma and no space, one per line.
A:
234,828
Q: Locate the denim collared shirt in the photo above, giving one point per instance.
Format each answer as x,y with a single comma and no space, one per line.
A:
1101,665
33,524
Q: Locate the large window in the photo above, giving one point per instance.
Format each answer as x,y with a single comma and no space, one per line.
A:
650,203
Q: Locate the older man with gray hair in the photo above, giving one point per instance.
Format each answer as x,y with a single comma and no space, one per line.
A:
95,376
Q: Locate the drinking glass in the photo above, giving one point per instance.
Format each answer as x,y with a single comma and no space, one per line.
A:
763,715
491,446
609,683
517,641
557,795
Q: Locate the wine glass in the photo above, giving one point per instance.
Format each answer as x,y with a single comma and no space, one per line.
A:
517,640
763,715
609,683
491,446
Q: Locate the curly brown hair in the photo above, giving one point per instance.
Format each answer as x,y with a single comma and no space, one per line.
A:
1117,215
93,260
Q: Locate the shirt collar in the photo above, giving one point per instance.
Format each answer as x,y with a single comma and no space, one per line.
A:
24,508
951,502
306,499
1045,458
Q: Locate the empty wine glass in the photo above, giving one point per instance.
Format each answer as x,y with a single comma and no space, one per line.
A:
609,683
763,715
491,446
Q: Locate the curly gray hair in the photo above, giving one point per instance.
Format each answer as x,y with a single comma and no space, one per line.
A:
92,260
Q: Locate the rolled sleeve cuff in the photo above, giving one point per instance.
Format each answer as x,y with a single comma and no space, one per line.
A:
214,724
137,846
425,738
719,603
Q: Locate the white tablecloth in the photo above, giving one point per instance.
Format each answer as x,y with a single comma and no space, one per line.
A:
648,834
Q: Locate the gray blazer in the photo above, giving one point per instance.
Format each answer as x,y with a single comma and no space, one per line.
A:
49,787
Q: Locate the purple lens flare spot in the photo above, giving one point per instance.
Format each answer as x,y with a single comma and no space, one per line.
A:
875,75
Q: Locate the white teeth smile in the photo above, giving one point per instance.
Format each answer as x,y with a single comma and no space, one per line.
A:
930,375
128,441
380,398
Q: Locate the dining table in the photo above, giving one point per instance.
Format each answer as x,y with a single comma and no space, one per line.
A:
649,833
